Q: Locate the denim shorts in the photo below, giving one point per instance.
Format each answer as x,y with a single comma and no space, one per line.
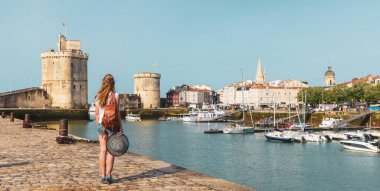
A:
108,132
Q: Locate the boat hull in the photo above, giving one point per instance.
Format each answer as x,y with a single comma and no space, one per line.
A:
279,139
238,130
360,146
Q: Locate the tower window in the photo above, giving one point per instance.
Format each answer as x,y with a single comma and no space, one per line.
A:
74,87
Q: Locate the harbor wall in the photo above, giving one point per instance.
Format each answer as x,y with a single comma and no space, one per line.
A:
156,113
40,115
316,118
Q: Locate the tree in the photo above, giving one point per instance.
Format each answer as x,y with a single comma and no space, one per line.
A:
372,94
313,95
355,94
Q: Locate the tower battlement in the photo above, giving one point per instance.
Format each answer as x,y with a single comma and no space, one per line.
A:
77,54
147,75
64,74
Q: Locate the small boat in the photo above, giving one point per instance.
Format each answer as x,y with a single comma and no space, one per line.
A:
314,138
335,135
278,136
213,131
133,117
373,133
355,135
205,115
91,112
359,145
329,122
164,118
237,129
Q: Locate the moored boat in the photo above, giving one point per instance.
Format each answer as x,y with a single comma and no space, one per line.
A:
204,115
133,117
278,136
359,145
329,122
237,129
91,112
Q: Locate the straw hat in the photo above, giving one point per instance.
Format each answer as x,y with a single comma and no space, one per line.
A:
117,145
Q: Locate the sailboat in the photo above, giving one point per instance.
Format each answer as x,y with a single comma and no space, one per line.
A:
237,128
277,135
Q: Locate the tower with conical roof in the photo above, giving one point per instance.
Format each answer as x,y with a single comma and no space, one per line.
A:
329,77
260,74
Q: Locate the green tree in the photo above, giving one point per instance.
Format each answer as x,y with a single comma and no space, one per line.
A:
355,94
372,94
313,95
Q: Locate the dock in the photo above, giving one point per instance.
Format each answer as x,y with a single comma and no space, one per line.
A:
32,160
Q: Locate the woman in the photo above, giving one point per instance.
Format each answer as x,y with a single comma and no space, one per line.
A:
104,97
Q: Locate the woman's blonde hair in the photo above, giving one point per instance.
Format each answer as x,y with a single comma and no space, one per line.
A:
108,85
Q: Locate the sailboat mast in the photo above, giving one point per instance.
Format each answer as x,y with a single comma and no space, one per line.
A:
304,111
274,114
242,93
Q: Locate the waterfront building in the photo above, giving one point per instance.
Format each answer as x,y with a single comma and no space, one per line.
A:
129,101
172,98
147,87
64,74
260,93
185,95
329,77
369,79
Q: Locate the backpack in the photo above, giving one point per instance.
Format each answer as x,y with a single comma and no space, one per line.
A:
110,118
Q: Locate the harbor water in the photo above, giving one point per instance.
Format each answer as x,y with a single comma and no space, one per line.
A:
248,159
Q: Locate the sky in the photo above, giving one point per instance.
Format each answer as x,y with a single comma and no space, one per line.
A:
194,42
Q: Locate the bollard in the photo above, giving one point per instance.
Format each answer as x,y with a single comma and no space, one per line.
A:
3,114
63,128
11,118
27,118
26,121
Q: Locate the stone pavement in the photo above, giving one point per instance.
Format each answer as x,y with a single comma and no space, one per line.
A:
30,159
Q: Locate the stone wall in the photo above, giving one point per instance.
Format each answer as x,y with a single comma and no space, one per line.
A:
25,98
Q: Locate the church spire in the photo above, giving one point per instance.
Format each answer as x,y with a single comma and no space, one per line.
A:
260,74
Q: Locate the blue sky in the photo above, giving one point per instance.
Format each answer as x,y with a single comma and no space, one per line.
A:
198,41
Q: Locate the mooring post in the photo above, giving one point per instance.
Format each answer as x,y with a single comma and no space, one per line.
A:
3,114
63,128
26,121
11,118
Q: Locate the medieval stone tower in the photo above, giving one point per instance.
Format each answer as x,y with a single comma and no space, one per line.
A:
147,86
64,74
329,77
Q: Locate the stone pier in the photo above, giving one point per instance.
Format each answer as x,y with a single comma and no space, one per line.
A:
30,159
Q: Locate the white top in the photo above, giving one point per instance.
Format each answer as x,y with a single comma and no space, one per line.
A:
101,109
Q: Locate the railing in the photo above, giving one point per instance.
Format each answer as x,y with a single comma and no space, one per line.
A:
354,118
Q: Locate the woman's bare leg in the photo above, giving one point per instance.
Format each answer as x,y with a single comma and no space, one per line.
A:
110,161
102,154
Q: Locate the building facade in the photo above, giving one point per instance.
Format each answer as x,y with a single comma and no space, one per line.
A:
147,87
129,101
64,75
260,93
185,95
369,79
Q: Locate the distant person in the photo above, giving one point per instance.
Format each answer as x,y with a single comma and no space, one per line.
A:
105,99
